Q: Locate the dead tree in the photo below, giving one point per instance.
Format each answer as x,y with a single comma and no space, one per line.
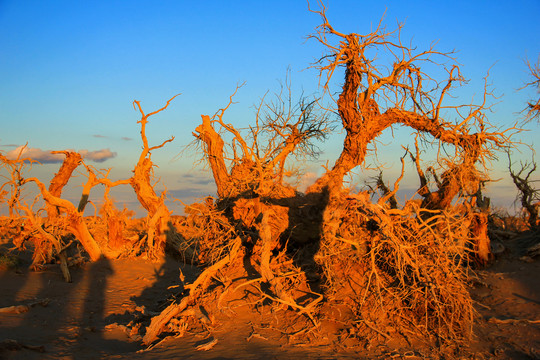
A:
15,169
532,111
49,232
376,96
248,174
388,196
76,221
255,162
378,256
43,232
71,161
112,218
528,196
457,178
158,213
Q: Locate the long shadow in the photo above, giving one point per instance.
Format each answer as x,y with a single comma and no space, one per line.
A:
13,264
168,286
12,276
305,232
93,319
54,328
72,325
13,280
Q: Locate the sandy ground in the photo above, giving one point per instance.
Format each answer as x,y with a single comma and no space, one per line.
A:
74,322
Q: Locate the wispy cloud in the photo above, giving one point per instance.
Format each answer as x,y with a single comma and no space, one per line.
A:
189,193
47,157
193,187
200,178
10,145
112,138
43,156
98,155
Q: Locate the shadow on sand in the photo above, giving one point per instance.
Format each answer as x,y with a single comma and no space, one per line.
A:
72,323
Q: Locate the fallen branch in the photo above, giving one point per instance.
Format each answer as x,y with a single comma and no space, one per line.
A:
19,309
16,309
208,345
200,285
10,344
512,321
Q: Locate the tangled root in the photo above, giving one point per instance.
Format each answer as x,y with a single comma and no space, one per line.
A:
397,270
393,271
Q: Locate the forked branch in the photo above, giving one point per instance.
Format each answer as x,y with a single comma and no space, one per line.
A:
376,96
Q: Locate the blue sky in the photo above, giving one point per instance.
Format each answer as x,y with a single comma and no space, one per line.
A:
70,71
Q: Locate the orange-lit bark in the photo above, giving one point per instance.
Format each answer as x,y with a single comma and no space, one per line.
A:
158,214
76,220
376,96
214,152
61,178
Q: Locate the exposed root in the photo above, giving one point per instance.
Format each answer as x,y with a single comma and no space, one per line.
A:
397,272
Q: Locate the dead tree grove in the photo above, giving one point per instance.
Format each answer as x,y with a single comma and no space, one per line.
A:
330,259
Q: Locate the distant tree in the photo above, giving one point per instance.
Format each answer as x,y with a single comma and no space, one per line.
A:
532,111
528,196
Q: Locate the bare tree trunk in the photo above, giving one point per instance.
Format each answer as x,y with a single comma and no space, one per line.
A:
61,178
214,152
76,220
158,214
479,230
528,195
400,88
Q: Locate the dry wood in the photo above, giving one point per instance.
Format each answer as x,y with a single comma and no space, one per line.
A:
15,169
43,246
482,243
158,214
214,149
257,166
513,321
533,106
61,178
208,345
16,309
75,218
389,268
196,289
374,99
269,243
528,195
19,309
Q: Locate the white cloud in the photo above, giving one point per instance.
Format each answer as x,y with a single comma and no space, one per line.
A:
98,155
43,156
47,157
306,180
